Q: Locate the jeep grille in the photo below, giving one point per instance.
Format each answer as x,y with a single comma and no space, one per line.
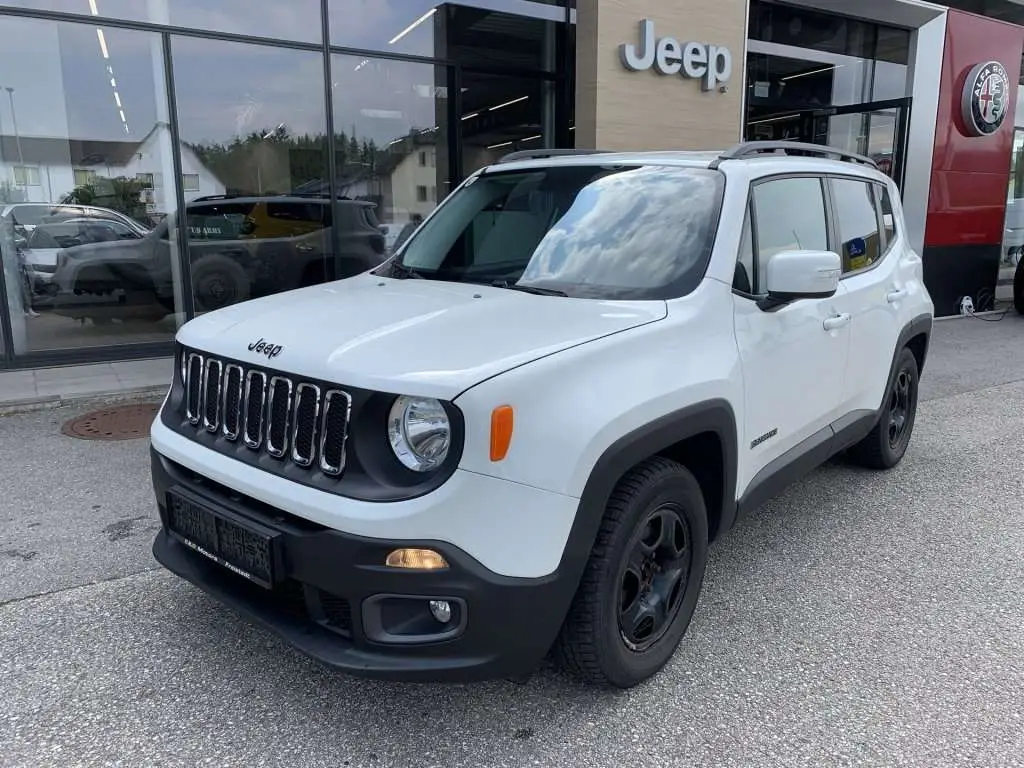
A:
287,418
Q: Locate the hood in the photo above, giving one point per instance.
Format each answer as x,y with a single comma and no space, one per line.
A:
418,337
103,249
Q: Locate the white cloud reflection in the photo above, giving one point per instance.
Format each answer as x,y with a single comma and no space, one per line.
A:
639,229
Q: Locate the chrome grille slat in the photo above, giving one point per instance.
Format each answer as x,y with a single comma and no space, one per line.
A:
234,381
334,431
255,407
212,373
279,411
194,388
307,406
301,422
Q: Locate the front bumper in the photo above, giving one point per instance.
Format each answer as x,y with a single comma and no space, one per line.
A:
336,600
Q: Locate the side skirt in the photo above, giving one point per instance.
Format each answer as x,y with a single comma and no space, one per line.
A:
802,459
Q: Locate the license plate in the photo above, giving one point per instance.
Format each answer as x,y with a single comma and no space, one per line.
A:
242,546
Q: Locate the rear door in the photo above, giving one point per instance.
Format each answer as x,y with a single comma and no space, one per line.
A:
876,288
793,357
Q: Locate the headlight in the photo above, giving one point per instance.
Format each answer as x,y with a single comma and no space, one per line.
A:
419,432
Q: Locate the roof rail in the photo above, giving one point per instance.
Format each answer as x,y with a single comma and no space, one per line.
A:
749,148
210,198
541,154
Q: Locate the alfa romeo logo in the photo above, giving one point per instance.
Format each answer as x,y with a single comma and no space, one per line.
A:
986,98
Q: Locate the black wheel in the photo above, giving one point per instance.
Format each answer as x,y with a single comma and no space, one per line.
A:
218,281
641,584
885,447
1018,287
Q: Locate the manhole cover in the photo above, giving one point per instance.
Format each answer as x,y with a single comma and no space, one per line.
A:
121,422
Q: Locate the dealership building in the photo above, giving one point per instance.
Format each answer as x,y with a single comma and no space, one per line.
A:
181,128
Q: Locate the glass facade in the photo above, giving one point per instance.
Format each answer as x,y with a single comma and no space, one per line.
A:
164,158
1013,232
827,79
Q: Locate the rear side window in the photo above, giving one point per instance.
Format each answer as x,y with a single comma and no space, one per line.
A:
860,243
308,216
217,222
888,216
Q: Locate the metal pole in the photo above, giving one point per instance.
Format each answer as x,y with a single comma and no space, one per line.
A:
181,213
2,158
17,136
332,157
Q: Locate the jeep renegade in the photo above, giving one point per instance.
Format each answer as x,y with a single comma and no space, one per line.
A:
520,433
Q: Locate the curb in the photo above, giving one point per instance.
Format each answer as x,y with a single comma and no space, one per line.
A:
30,404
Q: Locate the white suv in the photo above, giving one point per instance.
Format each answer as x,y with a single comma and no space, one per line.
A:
521,433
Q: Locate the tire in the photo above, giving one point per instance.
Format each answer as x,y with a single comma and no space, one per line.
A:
1018,288
887,443
218,281
593,646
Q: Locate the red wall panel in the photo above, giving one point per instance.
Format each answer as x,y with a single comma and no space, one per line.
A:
967,202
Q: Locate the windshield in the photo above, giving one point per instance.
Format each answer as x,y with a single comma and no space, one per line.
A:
587,231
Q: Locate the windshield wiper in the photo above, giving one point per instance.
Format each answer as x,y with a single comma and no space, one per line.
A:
527,288
398,268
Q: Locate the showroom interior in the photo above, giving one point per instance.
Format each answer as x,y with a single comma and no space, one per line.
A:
117,115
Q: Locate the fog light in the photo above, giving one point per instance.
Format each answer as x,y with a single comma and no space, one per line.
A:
416,560
441,610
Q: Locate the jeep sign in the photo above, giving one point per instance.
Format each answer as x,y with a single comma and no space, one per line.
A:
710,63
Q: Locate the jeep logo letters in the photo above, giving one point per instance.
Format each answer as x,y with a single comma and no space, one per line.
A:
262,347
712,64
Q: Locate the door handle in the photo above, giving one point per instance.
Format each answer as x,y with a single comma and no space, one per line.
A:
837,321
893,296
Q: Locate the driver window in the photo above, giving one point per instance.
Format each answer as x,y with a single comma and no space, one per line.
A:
790,216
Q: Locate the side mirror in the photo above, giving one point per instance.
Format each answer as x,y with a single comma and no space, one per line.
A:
794,275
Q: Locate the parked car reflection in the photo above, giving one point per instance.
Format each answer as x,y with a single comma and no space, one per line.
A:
239,248
27,216
38,251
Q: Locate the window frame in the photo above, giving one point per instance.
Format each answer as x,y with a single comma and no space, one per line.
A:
89,174
26,171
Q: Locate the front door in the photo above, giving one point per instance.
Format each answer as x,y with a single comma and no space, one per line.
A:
794,358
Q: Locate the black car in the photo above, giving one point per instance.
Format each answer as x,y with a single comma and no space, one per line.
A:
39,251
239,248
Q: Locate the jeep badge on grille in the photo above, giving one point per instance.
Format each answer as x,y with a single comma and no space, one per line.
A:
265,348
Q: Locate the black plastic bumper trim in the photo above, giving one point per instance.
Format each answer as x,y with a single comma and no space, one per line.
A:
507,625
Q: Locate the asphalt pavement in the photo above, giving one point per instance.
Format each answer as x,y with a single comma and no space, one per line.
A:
861,619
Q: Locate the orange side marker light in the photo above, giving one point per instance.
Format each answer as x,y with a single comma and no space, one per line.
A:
502,424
